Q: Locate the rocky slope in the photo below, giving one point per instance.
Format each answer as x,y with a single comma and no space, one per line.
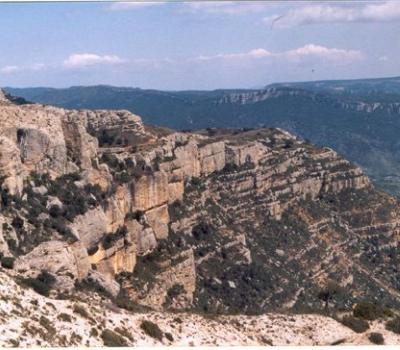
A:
214,222
36,321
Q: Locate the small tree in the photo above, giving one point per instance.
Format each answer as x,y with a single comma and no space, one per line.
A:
329,292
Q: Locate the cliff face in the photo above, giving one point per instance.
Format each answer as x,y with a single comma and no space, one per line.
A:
222,221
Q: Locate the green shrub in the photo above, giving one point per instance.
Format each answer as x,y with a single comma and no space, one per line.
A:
80,310
356,324
172,293
42,284
17,223
178,320
7,262
109,239
202,230
110,338
393,325
329,292
195,181
55,211
151,329
136,215
124,302
376,338
46,323
92,250
169,336
94,332
90,284
64,317
367,311
124,332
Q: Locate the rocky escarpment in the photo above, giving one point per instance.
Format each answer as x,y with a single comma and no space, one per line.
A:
218,221
359,105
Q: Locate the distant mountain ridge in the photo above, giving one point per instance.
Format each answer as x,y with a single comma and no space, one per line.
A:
385,85
358,118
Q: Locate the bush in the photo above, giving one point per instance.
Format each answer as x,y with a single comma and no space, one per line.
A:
202,230
55,211
169,336
64,317
367,311
356,324
393,325
110,338
92,250
17,223
152,330
124,332
195,181
7,262
376,338
178,320
329,292
94,332
173,292
124,302
136,215
46,323
80,310
42,284
109,239
90,284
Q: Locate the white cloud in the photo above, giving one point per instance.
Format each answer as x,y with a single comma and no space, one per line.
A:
256,53
358,12
307,51
383,58
79,60
37,66
133,5
330,54
11,69
225,7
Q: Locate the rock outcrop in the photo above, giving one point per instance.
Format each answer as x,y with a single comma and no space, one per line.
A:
219,221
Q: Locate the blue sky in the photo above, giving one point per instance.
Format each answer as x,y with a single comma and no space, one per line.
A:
196,45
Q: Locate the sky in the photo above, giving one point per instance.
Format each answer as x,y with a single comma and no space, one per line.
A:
196,45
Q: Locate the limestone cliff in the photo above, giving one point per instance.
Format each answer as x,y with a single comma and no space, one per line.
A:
214,220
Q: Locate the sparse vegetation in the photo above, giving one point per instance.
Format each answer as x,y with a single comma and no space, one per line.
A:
151,329
356,324
169,336
81,310
110,338
124,332
393,325
47,324
64,317
7,262
367,311
42,284
328,293
94,332
376,338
